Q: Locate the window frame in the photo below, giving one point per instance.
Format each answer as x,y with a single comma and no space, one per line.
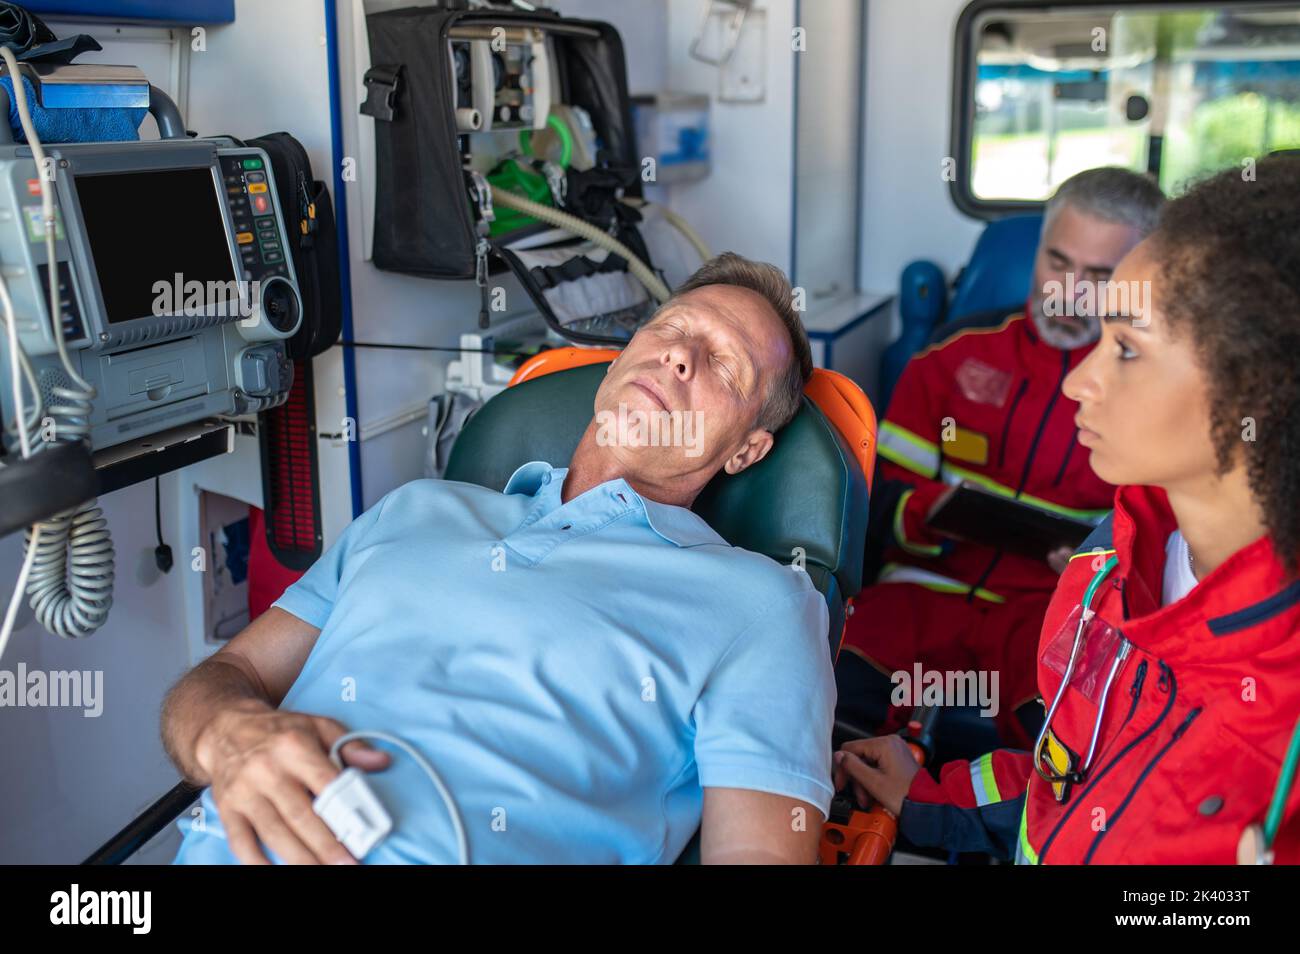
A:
962,109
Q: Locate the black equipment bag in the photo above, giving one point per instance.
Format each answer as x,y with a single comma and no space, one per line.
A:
426,220
313,243
287,434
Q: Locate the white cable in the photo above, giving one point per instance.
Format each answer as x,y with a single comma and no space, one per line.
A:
12,613
36,408
71,565
462,844
15,366
677,222
571,223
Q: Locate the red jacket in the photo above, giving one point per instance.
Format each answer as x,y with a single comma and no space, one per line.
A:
1192,738
982,404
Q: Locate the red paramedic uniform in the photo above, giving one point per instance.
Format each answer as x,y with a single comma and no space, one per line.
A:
1193,733
983,404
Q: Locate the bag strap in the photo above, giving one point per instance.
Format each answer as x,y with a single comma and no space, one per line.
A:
382,84
538,298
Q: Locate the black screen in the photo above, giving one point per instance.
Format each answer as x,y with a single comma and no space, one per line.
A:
146,227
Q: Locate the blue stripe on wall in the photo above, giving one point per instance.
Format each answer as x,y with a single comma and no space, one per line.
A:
345,259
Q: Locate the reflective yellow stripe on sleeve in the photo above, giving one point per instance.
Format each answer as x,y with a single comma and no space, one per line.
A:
1025,854
897,573
902,447
919,549
984,782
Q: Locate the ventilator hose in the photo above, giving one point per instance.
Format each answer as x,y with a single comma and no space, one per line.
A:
677,222
571,223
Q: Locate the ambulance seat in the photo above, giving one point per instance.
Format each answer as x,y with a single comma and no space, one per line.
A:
995,282
1000,269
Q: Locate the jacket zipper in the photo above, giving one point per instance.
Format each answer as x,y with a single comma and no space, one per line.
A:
1101,772
1178,734
1006,427
1038,435
1029,460
1069,452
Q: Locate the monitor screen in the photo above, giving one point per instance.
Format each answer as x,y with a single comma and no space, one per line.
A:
150,227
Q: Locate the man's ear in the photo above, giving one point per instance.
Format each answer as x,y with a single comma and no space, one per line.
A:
755,448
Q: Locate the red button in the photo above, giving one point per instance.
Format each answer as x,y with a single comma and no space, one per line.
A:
261,204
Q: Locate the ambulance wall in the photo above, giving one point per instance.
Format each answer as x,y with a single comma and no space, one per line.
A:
71,781
907,212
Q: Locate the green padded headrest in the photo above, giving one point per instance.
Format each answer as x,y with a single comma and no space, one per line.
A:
809,492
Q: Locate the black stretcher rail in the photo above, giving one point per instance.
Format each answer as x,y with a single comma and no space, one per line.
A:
148,824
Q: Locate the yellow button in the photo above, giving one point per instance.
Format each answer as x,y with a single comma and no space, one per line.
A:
255,187
244,238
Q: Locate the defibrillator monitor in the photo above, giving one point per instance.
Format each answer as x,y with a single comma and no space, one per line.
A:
175,283
189,241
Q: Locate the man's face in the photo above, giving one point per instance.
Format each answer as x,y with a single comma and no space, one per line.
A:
1144,409
682,399
1088,248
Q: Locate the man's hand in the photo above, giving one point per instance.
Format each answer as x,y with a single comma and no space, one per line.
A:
1059,558
266,767
881,768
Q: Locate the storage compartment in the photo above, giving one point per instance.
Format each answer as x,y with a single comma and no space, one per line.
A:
156,376
475,110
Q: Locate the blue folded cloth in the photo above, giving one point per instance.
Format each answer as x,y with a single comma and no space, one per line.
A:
109,124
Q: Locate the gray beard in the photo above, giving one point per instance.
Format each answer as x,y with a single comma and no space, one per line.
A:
1064,339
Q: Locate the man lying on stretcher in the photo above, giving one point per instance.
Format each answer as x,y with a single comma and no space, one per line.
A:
591,669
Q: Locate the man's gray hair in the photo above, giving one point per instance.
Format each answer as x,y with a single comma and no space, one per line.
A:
1112,194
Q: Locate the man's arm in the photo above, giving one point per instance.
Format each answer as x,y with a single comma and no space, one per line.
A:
252,672
222,728
742,826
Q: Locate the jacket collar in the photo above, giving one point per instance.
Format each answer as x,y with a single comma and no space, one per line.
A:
1245,606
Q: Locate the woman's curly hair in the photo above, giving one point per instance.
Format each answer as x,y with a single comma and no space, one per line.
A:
1229,254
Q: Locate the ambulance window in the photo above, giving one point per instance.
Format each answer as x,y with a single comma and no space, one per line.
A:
1042,92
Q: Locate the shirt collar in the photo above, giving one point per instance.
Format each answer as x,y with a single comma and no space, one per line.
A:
677,525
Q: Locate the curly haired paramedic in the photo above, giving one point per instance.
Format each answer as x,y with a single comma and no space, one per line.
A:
1174,737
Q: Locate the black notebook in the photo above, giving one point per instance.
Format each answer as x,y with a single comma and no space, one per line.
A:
980,516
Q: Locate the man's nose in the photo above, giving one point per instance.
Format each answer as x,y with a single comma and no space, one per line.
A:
680,357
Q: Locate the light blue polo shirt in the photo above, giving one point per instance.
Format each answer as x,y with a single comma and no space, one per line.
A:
577,673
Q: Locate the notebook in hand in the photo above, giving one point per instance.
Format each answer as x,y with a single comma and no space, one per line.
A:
972,513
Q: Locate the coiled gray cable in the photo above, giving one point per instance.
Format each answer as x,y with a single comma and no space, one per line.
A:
71,581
